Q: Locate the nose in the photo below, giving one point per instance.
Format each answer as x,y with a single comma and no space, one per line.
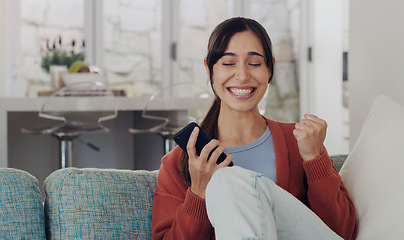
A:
242,73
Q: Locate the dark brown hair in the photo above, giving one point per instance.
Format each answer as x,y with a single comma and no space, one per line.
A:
218,41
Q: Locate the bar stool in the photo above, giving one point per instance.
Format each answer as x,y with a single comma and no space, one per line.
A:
190,102
75,109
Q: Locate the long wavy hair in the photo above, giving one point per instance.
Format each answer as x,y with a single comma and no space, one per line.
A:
218,41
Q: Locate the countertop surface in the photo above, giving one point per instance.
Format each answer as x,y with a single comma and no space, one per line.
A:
99,103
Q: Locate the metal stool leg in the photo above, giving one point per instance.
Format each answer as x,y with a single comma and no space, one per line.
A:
66,153
169,144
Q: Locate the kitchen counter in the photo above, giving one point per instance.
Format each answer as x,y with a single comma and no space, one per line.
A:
13,105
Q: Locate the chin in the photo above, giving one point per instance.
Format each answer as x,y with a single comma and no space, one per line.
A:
242,109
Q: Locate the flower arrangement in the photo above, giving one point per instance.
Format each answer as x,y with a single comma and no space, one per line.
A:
57,54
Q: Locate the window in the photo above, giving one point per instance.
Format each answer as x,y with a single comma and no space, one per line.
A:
132,45
42,24
142,46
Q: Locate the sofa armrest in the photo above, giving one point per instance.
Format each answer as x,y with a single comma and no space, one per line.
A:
99,204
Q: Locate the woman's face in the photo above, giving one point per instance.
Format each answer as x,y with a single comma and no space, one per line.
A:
240,77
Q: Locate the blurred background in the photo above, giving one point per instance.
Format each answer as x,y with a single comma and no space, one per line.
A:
143,46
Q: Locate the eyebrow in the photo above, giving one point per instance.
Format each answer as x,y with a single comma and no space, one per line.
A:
249,54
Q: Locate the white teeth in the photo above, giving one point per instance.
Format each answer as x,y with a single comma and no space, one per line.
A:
241,92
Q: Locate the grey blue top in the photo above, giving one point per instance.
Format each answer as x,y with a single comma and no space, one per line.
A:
258,156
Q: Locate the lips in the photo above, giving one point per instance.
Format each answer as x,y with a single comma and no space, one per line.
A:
241,92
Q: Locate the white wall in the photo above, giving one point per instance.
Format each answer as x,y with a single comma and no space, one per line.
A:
376,61
2,46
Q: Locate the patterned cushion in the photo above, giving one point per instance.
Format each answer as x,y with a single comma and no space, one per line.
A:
99,204
339,160
21,209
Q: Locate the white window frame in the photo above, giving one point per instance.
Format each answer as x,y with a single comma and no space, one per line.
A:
93,31
169,42
320,79
9,49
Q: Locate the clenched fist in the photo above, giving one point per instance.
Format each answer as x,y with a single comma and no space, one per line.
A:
310,134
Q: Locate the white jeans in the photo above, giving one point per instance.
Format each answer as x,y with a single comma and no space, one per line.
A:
243,204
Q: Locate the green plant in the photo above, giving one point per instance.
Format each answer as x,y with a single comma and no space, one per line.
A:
57,54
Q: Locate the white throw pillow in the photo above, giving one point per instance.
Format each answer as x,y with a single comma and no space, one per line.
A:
374,172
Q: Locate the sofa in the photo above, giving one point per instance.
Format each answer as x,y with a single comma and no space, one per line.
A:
80,204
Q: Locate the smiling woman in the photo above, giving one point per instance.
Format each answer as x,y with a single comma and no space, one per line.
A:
283,184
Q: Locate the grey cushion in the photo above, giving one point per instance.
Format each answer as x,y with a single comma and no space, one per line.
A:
99,204
338,160
21,209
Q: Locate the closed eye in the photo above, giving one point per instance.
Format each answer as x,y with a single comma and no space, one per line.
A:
255,64
228,64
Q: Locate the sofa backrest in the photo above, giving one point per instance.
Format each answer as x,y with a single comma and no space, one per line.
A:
21,209
81,204
99,204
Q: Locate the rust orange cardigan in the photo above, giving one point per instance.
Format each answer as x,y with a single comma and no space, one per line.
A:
180,214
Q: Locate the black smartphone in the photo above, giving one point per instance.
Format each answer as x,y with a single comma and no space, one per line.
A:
181,138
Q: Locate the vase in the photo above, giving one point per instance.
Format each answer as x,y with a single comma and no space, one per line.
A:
56,72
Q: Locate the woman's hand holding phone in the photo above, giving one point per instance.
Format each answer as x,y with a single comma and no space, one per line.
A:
202,167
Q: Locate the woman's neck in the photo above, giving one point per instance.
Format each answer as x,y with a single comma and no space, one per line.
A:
239,128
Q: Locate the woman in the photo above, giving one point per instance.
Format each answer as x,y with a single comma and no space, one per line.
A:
283,184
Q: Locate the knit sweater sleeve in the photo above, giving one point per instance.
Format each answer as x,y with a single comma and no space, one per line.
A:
324,192
177,212
328,197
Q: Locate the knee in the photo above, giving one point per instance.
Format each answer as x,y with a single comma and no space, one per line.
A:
225,177
227,181
237,181
220,182
222,175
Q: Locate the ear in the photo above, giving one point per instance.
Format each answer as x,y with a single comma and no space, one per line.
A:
273,63
206,67
270,73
